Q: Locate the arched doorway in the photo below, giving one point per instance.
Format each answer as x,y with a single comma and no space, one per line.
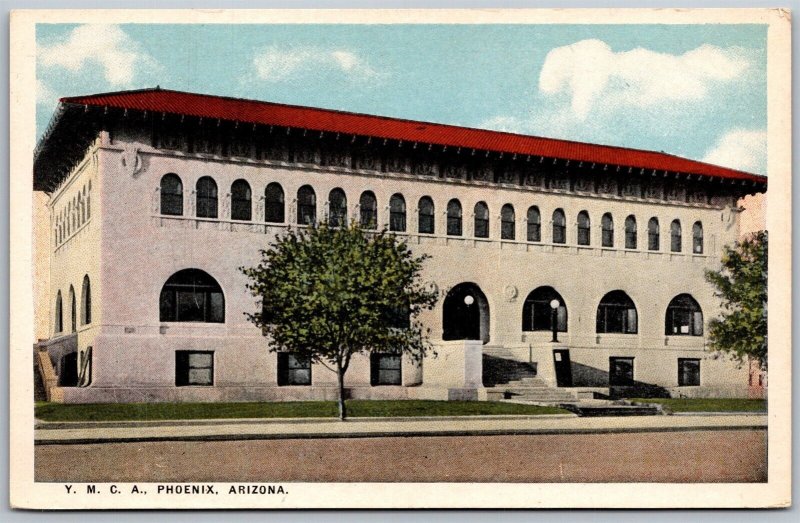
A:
466,314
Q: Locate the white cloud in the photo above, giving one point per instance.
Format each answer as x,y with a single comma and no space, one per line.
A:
275,64
740,149
591,75
45,95
108,46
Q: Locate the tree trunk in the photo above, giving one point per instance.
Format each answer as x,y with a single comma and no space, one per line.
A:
340,377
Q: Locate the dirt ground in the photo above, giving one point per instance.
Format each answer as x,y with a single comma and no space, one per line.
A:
700,456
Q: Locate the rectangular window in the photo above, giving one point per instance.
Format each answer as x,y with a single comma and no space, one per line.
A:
559,234
688,372
385,369
293,369
194,368
620,371
534,232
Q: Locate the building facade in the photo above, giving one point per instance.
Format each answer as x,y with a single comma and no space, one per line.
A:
156,198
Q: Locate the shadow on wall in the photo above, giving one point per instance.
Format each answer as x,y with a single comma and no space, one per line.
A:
586,376
498,371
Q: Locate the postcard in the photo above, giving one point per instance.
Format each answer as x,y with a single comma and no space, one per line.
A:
400,258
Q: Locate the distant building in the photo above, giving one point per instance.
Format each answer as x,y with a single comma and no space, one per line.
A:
156,197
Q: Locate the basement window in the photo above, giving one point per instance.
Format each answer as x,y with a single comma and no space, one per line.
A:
194,368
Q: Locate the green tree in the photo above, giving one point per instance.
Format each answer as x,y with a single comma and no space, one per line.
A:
741,284
328,293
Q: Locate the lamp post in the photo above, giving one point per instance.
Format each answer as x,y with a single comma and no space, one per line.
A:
554,304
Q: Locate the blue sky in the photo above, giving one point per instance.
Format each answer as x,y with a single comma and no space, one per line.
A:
697,91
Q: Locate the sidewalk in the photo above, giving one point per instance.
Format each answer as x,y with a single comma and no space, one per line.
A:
54,433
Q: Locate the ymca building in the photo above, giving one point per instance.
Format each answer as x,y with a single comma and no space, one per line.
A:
564,269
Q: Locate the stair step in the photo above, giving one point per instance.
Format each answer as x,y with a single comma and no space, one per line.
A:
619,411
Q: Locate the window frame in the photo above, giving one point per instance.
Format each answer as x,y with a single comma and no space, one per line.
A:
241,204
368,210
508,222
538,301
675,236
306,208
606,307
614,378
697,239
584,227
377,372
559,227
285,376
180,380
86,301
534,226
207,198
455,218
397,213
337,207
682,373
481,222
170,304
167,198
631,232
607,230
653,235
424,218
274,208
684,304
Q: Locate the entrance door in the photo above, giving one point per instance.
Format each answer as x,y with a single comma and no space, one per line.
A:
563,368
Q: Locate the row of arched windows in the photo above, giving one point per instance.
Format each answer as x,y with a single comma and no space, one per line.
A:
73,215
86,308
616,313
274,212
192,295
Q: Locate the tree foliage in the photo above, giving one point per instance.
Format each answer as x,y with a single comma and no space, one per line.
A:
328,293
741,329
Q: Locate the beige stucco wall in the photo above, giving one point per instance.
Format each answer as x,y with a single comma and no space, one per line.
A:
139,249
754,213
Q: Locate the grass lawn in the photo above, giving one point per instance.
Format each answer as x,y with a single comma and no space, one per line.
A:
708,404
290,409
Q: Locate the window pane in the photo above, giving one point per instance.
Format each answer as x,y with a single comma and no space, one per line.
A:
191,306
200,376
200,359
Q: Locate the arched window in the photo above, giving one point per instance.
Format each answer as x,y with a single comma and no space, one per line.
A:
241,201
171,195
559,226
507,222
607,224
426,220
192,295
306,205
684,317
73,313
481,220
454,218
653,242
368,206
617,314
675,236
630,232
397,213
697,238
274,209
59,317
584,228
537,314
534,224
206,197
337,208
86,301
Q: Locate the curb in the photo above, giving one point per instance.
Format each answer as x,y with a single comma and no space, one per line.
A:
58,425
386,433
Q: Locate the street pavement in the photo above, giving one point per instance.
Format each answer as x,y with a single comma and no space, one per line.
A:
61,433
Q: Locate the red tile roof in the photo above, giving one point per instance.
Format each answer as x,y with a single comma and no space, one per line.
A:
267,113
